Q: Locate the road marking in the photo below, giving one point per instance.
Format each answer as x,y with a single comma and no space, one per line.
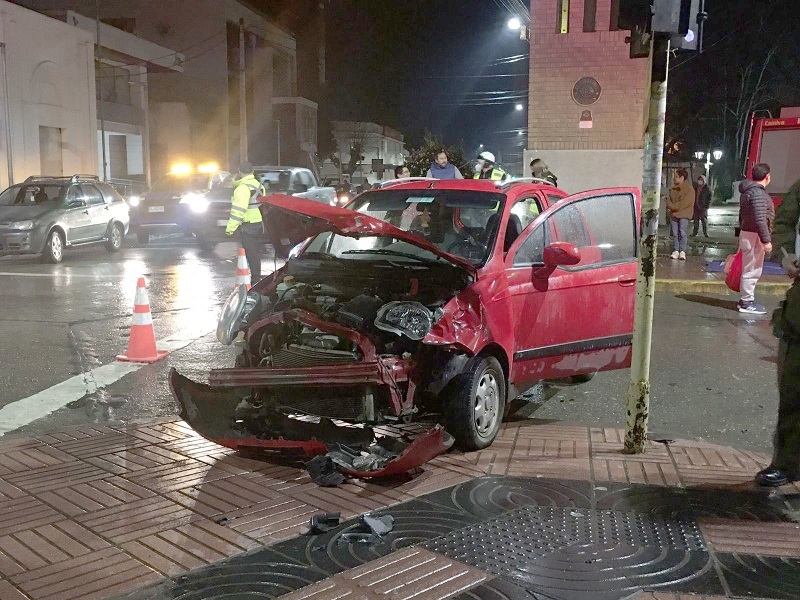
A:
78,275
22,412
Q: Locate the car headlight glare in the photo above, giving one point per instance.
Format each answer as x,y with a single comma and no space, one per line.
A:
22,225
197,202
410,319
134,201
230,317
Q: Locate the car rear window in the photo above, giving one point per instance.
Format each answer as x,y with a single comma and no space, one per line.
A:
181,183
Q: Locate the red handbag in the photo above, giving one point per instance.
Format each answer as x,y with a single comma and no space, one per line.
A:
733,271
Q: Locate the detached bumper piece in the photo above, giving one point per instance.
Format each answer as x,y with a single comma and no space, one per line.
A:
212,412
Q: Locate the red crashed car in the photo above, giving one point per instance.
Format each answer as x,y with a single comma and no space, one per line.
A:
426,299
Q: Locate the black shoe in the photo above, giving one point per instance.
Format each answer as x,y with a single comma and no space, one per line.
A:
771,477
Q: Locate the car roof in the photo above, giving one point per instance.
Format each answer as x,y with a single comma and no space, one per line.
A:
480,185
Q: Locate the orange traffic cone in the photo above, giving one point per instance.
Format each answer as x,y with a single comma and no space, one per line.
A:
142,341
242,270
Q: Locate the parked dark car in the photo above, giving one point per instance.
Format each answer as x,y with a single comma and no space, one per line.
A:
45,215
425,299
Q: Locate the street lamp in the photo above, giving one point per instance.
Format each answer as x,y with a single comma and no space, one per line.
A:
700,155
518,107
514,24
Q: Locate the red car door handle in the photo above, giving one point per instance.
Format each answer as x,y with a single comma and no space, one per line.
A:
627,281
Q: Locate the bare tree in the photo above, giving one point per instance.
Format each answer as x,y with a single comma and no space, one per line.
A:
352,145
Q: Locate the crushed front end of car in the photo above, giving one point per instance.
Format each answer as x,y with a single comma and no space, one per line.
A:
330,350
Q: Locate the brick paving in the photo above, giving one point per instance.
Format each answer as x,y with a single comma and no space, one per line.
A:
95,512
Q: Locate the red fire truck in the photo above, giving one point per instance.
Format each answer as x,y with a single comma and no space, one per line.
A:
777,143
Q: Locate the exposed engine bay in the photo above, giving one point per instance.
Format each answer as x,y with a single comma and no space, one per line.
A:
328,342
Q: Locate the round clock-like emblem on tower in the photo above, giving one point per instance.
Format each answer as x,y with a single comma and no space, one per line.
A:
586,91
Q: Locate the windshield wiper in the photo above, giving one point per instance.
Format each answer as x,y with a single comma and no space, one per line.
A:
322,255
387,252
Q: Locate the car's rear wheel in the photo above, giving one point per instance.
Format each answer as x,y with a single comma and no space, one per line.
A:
143,237
115,237
53,248
476,403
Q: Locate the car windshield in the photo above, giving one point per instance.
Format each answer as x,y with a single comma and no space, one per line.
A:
182,183
459,222
31,194
275,180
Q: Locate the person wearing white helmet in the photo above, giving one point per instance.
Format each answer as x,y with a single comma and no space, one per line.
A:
485,168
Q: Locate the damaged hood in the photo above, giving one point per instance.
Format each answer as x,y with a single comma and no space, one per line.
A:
289,220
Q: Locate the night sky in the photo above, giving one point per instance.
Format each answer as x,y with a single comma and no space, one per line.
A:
430,65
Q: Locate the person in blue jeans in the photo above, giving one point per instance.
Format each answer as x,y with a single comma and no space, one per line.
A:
681,208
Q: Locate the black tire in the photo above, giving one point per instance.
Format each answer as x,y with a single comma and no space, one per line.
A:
143,237
116,235
53,252
475,403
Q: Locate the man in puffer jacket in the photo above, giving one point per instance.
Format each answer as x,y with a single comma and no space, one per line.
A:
756,215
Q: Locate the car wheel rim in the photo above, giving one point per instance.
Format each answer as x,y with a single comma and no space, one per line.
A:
55,246
116,237
485,409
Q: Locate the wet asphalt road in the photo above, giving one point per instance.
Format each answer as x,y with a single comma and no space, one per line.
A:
713,369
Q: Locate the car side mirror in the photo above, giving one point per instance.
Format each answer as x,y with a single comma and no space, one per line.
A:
557,254
300,188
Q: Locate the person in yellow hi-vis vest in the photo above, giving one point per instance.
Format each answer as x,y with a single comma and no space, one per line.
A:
246,218
485,168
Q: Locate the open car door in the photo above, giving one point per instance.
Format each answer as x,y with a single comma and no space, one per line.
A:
575,315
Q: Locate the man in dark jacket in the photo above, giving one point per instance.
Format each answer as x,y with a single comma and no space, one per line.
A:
702,200
756,214
785,465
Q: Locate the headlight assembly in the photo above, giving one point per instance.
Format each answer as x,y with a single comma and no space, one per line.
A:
22,225
410,319
230,317
235,312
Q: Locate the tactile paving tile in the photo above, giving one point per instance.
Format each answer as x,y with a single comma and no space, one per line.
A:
415,522
259,574
488,497
672,502
569,552
761,576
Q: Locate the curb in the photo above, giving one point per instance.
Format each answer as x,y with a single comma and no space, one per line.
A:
678,286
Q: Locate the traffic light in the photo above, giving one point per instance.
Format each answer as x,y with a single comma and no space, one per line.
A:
682,18
693,38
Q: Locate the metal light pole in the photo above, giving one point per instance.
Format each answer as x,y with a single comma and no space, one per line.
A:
100,100
242,97
638,402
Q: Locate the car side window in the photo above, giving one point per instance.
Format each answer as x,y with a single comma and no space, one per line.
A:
305,179
91,195
527,210
602,227
552,199
532,249
611,223
74,197
110,195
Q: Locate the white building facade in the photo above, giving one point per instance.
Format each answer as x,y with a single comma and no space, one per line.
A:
48,120
380,146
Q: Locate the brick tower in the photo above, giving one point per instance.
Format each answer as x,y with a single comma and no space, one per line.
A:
587,96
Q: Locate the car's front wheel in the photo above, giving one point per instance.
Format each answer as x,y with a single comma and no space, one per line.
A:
115,237
53,248
476,402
